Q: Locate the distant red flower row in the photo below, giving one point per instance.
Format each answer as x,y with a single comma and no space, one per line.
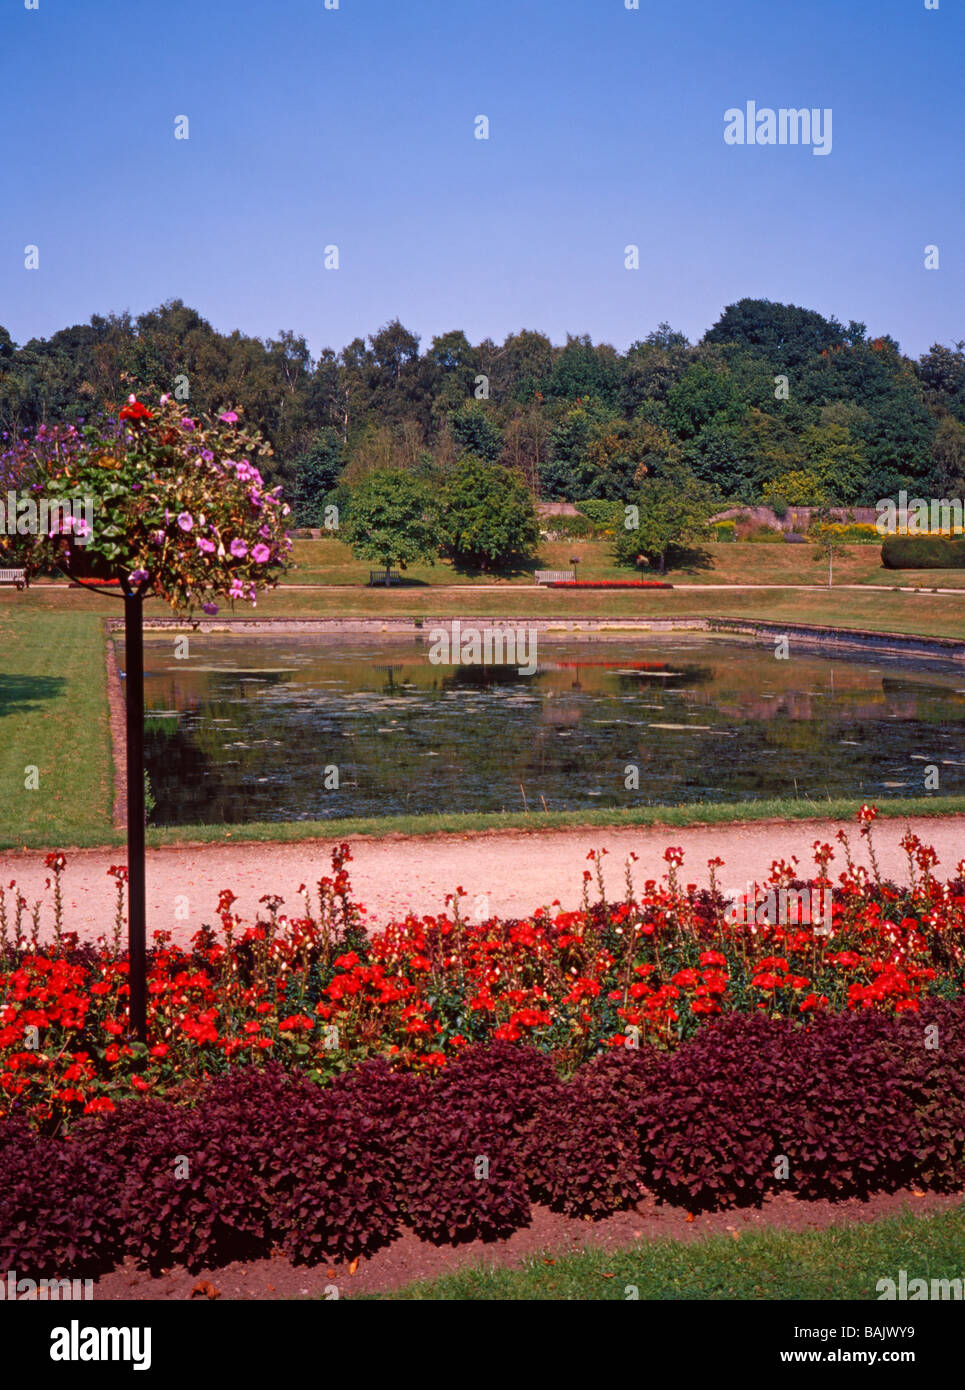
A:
609,584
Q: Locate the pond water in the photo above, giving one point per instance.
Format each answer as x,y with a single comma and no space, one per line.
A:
251,729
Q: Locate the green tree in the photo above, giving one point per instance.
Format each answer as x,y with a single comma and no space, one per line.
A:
839,461
392,518
703,397
948,452
786,334
672,513
488,518
475,433
316,475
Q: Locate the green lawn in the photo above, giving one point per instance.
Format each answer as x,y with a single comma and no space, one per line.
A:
931,615
53,717
840,1262
743,562
467,823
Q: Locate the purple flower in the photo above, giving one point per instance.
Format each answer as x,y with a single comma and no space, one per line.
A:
237,589
206,545
138,576
207,455
187,424
185,521
209,608
239,548
229,417
260,554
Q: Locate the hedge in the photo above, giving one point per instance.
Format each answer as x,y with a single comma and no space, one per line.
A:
923,553
842,1107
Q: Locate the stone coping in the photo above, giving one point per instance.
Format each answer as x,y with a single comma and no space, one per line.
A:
859,639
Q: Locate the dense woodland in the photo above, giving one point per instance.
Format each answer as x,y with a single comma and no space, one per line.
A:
775,403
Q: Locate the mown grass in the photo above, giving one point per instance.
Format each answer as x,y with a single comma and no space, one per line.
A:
839,1262
480,822
54,717
476,822
927,615
330,561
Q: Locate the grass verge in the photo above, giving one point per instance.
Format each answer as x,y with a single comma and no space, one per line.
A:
921,613
839,1262
53,718
471,823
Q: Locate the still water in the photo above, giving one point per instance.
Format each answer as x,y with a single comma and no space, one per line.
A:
252,729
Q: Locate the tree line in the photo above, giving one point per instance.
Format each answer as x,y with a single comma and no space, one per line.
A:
776,403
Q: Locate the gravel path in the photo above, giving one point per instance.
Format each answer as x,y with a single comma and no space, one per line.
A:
517,871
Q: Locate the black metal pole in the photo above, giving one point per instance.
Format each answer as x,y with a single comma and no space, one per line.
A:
136,911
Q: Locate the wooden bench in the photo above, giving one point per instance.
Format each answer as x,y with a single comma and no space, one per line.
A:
554,576
10,576
381,577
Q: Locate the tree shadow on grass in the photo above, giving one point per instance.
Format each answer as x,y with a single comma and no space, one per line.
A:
482,569
22,694
689,559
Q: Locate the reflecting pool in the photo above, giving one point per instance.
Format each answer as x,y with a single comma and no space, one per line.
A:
295,728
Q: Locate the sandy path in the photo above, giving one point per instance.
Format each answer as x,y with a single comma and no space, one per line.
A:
516,870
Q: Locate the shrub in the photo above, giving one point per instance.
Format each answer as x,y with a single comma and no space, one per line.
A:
56,1217
707,1136
855,1104
605,517
460,1177
332,1175
562,528
471,1123
923,553
581,1153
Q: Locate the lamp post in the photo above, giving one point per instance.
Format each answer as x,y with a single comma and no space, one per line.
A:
136,906
97,577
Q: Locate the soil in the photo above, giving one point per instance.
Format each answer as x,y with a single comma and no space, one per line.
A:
549,1235
508,873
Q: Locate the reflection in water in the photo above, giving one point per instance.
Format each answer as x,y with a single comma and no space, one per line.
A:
245,730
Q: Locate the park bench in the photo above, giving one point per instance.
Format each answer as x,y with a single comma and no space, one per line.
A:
381,577
11,576
555,576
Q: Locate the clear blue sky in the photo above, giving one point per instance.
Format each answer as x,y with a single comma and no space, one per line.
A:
355,127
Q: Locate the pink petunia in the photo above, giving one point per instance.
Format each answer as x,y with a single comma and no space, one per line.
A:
260,554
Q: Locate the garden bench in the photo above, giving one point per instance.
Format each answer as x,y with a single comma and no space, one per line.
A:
11,576
554,576
381,577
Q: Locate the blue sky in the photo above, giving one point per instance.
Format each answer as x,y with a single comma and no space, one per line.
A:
355,127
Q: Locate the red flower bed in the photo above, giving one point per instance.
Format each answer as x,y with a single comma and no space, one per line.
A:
317,993
608,584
